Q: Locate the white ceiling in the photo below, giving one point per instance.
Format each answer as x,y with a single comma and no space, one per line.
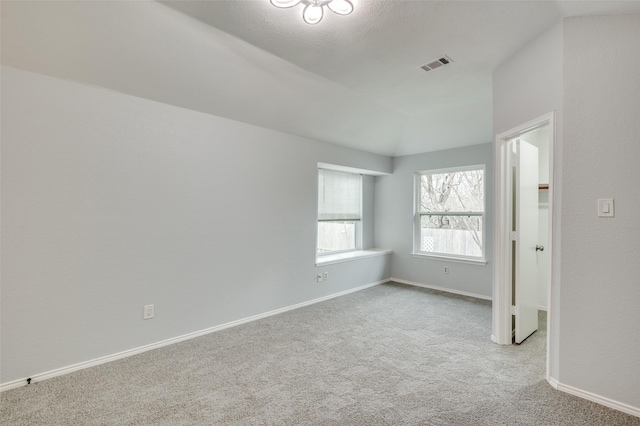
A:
353,80
378,49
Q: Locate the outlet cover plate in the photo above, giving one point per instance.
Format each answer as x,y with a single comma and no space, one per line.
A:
148,311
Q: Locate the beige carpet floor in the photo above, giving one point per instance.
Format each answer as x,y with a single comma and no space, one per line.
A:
388,355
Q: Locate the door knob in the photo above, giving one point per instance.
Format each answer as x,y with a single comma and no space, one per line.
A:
539,248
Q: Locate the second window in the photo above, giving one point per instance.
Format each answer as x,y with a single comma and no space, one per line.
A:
450,213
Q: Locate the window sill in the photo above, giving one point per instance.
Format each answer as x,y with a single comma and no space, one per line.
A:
450,258
349,256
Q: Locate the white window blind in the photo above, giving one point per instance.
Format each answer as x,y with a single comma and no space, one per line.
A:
339,195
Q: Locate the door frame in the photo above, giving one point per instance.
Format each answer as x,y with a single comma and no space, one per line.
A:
502,332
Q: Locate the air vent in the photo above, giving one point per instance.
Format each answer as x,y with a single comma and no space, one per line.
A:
437,63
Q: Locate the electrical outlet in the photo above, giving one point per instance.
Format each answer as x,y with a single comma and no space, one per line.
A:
319,278
325,276
445,270
148,312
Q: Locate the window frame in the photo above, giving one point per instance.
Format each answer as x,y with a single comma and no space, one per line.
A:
417,215
357,223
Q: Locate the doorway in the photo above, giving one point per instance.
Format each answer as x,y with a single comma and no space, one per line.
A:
538,132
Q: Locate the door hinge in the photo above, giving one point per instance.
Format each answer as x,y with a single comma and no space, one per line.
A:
513,310
514,236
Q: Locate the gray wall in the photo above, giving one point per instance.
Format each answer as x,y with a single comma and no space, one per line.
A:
161,54
394,221
527,86
586,69
600,290
111,202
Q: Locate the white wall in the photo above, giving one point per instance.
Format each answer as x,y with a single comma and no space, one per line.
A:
600,343
529,83
111,202
394,221
527,86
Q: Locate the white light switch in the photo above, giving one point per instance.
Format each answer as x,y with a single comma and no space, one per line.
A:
605,207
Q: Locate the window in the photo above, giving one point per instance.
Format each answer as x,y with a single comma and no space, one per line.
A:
339,211
449,216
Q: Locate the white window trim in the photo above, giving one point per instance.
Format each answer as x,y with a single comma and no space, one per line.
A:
350,256
450,258
481,260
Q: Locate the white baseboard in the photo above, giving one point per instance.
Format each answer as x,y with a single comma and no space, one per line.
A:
447,290
625,408
108,358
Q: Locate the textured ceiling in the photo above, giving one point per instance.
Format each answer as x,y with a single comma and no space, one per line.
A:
379,48
352,80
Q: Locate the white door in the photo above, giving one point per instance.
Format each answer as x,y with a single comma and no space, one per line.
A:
526,217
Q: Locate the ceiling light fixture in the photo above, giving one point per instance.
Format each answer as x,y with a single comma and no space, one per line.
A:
314,9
